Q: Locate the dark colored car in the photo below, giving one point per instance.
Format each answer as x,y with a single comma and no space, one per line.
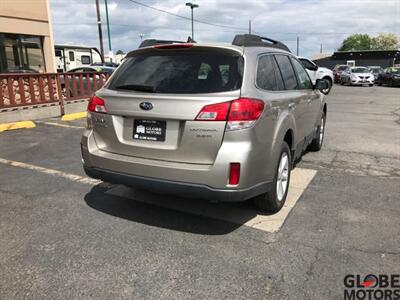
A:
338,70
105,64
390,76
376,70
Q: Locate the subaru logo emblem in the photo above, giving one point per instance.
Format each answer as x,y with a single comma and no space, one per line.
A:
146,106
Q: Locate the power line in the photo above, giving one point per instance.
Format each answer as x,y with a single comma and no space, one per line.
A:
187,18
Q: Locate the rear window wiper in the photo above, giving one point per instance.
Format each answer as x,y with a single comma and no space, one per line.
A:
137,87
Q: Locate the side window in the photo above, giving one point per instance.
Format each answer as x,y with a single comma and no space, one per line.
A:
58,53
306,63
71,55
85,59
303,78
266,77
288,75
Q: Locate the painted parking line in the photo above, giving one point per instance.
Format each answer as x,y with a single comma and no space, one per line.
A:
238,213
74,116
16,125
61,125
71,177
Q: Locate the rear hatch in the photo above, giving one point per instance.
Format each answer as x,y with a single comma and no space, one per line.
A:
153,99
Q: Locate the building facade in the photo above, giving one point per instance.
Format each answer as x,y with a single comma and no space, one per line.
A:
384,58
26,37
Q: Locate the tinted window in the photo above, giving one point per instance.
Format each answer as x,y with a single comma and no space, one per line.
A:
288,75
267,74
306,63
85,59
71,56
181,73
302,76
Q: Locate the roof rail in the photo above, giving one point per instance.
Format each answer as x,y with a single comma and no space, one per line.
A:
252,40
153,42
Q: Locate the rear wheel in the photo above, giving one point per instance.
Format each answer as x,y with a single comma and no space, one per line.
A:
318,140
274,200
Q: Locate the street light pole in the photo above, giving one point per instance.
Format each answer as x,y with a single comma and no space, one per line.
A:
192,6
108,32
100,31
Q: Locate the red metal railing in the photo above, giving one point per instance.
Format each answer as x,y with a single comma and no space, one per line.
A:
24,90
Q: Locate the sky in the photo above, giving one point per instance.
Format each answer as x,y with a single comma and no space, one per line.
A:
315,22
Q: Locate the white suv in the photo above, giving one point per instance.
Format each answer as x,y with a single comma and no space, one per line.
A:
316,72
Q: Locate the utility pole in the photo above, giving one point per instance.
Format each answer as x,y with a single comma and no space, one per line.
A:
100,31
192,6
298,42
249,26
320,49
110,54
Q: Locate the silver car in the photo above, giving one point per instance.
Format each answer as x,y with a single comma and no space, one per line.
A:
222,122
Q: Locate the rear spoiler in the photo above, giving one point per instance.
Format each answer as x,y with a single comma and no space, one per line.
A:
252,40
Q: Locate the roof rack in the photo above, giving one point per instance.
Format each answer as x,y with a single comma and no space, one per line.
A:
252,40
153,42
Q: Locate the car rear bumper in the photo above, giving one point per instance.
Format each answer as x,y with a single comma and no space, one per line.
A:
182,189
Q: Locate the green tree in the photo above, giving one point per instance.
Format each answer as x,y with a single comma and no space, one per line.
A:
119,52
355,42
386,41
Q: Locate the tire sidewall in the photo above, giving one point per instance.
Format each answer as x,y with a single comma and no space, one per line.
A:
275,204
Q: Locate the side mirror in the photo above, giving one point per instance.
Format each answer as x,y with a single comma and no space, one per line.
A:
322,85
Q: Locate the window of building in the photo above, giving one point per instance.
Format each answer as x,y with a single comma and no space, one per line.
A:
21,53
85,60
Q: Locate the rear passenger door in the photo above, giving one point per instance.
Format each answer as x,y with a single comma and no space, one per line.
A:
313,102
296,99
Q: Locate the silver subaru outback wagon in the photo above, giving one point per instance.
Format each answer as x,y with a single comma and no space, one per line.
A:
223,122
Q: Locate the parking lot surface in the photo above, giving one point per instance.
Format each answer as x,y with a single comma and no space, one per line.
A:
66,236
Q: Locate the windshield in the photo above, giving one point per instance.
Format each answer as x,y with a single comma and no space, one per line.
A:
180,73
396,70
342,68
359,70
374,70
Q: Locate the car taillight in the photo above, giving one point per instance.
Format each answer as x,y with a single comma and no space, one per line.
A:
97,104
240,113
234,173
214,112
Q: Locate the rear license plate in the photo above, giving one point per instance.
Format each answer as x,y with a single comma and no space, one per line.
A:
149,130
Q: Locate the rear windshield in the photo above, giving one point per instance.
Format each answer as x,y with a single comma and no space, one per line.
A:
359,70
180,73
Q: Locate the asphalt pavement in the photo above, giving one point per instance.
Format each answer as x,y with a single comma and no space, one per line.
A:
65,237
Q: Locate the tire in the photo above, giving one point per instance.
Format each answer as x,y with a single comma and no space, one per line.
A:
380,82
317,142
64,92
391,83
371,85
341,82
327,91
273,201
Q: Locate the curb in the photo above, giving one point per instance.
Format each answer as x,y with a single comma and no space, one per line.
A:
74,116
16,125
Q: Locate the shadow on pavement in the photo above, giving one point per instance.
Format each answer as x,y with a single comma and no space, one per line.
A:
163,211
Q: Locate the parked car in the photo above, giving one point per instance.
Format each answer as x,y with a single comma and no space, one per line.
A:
357,76
390,76
106,64
375,70
85,89
337,71
213,121
317,72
